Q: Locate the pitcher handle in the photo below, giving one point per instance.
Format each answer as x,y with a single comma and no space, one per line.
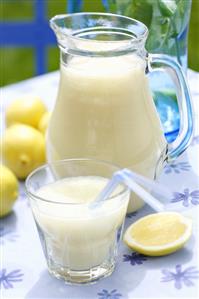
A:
165,62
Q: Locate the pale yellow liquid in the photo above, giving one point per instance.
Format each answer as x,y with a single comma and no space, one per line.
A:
105,110
79,237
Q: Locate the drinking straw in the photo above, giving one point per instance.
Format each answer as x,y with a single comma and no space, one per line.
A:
157,188
129,178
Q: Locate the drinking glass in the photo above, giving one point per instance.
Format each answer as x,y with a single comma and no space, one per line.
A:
79,241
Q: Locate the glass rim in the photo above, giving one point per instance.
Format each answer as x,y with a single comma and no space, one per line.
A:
136,38
49,164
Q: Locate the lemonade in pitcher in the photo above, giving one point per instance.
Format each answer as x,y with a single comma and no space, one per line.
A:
104,107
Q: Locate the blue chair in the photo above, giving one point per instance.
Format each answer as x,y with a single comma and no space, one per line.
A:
36,33
74,6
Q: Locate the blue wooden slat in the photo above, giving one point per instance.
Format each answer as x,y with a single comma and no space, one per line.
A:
25,34
106,4
40,10
74,6
41,57
35,34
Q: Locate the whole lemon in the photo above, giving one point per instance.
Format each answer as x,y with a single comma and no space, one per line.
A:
23,149
44,121
27,110
8,190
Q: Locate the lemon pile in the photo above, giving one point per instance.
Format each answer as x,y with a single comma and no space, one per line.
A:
43,123
25,110
159,234
23,149
23,146
9,190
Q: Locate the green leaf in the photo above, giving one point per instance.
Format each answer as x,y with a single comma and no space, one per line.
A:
165,19
159,32
167,7
137,9
142,10
112,6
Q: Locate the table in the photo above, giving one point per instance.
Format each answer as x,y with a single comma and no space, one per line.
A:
23,271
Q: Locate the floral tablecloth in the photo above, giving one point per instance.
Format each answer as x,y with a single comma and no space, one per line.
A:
23,272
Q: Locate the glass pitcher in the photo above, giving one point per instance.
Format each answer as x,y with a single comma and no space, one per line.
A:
104,107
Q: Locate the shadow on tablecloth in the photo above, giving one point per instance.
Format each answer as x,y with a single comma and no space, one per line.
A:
49,287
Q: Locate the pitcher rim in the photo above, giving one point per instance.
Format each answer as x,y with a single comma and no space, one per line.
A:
141,36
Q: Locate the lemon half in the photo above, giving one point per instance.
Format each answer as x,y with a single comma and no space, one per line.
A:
158,234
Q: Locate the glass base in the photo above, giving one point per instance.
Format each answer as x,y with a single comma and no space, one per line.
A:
82,277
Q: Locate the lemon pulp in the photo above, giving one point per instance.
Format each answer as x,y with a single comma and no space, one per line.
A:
155,232
158,234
